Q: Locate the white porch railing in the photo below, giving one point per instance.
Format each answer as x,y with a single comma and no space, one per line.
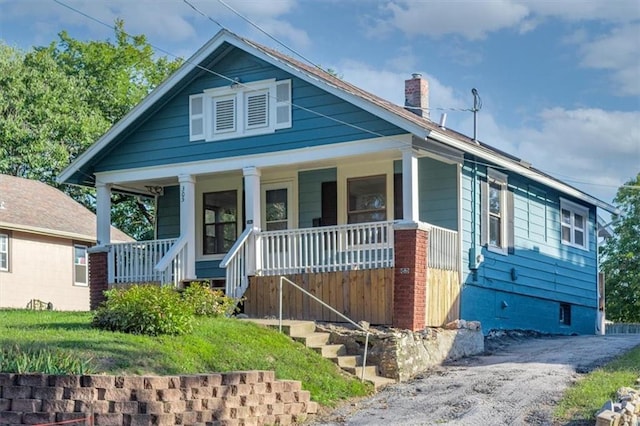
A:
443,251
136,262
173,265
327,248
237,275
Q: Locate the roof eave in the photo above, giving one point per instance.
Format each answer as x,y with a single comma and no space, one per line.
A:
523,170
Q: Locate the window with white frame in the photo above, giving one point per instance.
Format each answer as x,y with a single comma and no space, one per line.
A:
241,109
80,263
497,211
367,199
4,252
574,219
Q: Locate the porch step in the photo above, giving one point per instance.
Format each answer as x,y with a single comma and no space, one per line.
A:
345,361
313,340
304,332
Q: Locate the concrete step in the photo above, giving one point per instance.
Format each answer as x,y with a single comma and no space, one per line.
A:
313,340
379,382
331,351
369,370
347,360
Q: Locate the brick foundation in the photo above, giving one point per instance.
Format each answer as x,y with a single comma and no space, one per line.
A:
98,276
237,398
410,279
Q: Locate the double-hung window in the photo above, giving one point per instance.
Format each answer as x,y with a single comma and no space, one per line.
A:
496,230
80,262
220,221
4,252
241,109
573,223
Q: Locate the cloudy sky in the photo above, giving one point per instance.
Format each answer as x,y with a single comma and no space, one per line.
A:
559,80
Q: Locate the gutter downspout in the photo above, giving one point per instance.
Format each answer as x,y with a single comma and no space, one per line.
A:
473,264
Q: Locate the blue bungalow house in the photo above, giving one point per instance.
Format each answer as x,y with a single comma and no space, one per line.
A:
263,166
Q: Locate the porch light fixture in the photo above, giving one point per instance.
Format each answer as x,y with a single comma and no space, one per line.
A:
236,83
155,190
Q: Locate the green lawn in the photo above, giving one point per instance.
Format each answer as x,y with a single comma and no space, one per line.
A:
216,345
581,401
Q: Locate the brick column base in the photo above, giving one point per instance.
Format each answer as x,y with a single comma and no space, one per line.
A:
410,277
98,276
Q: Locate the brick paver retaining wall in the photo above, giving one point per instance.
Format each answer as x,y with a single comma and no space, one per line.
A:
237,398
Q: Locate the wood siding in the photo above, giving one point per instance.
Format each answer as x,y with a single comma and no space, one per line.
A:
360,295
524,289
164,137
438,193
443,297
310,194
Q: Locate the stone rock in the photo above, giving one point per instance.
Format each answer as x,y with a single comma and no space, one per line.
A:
474,325
364,324
608,418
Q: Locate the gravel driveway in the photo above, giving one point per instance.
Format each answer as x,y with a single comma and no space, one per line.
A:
519,383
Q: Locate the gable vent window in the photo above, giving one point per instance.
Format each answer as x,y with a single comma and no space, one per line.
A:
224,115
257,109
244,109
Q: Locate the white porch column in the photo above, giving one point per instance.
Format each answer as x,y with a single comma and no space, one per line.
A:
253,211
410,205
188,221
103,213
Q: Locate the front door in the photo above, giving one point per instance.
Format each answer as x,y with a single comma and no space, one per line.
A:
276,205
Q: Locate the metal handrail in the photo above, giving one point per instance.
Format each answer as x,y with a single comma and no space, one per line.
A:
366,341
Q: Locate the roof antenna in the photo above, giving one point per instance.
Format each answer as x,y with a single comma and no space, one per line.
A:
477,106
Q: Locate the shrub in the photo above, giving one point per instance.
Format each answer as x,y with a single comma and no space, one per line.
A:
15,360
145,309
207,302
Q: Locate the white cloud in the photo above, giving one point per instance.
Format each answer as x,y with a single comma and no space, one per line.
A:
585,10
617,51
583,146
473,19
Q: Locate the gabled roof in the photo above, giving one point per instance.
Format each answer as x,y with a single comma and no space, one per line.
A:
35,207
422,128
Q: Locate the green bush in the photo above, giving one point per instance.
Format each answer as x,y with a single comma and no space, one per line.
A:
15,360
145,309
207,302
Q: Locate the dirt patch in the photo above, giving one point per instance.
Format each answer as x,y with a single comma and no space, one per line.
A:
518,381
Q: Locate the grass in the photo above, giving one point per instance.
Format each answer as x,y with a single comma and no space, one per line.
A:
216,345
586,397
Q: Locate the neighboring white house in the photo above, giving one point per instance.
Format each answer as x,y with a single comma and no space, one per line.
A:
44,237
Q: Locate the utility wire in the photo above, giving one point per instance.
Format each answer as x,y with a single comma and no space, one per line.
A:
371,132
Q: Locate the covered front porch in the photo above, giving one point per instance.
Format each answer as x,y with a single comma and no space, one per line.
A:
374,236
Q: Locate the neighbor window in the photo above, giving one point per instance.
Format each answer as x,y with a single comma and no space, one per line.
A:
80,261
240,109
496,211
573,223
220,221
4,252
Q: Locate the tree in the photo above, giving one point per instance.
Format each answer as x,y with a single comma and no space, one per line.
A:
621,255
57,100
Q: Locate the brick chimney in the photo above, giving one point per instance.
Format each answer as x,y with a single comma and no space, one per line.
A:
416,95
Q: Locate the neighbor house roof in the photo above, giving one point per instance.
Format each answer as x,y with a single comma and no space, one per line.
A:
418,126
35,207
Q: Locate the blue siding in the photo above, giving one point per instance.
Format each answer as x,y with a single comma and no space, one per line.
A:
310,194
163,138
168,214
209,269
438,193
546,271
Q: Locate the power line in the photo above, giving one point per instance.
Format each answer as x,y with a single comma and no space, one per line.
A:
368,131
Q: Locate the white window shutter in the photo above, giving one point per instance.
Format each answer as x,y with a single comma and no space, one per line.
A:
196,117
224,114
283,104
256,106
